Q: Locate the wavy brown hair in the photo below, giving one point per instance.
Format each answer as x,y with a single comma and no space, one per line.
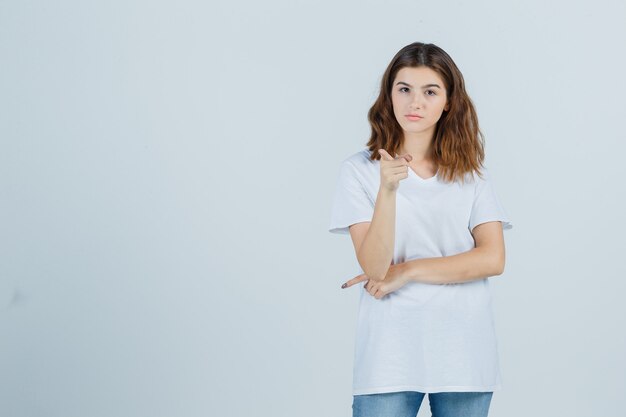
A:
458,143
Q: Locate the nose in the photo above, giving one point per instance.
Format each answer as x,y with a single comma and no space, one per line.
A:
416,102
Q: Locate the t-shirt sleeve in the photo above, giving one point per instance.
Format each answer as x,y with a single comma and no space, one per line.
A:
351,203
487,206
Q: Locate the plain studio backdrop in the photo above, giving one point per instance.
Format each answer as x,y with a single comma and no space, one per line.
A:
167,171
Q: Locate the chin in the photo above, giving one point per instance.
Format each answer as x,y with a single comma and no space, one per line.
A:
414,130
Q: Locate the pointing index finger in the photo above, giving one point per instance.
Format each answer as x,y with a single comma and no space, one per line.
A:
385,155
406,156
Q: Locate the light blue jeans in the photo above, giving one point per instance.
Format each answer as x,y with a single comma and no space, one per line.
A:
407,404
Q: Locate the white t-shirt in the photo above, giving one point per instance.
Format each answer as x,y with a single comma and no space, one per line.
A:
423,337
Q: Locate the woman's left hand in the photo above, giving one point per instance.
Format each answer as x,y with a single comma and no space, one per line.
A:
394,279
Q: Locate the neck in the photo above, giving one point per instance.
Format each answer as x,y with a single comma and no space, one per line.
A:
418,145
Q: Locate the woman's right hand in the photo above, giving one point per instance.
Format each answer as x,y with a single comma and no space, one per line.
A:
392,170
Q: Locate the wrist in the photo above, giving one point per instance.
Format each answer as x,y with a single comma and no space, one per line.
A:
406,271
386,192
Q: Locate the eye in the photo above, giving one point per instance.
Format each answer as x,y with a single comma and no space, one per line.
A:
432,91
403,88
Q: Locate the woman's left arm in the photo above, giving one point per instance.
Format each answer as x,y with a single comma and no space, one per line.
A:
486,259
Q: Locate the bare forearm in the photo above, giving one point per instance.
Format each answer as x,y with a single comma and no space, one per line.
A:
477,263
376,252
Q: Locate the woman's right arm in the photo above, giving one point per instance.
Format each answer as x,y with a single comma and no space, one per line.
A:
374,241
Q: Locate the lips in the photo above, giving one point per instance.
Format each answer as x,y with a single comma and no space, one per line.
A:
413,117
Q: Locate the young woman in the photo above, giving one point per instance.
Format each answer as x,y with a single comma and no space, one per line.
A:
427,228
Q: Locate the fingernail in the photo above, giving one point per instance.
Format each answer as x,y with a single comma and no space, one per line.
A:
344,285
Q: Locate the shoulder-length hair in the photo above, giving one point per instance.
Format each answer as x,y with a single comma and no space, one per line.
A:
458,143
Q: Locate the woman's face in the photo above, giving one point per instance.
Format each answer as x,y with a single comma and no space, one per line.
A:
418,91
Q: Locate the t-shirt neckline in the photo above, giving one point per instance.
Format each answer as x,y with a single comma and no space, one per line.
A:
423,179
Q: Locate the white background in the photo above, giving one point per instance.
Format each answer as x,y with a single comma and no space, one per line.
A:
166,174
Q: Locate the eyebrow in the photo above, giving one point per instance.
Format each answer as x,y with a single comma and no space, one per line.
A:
424,86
